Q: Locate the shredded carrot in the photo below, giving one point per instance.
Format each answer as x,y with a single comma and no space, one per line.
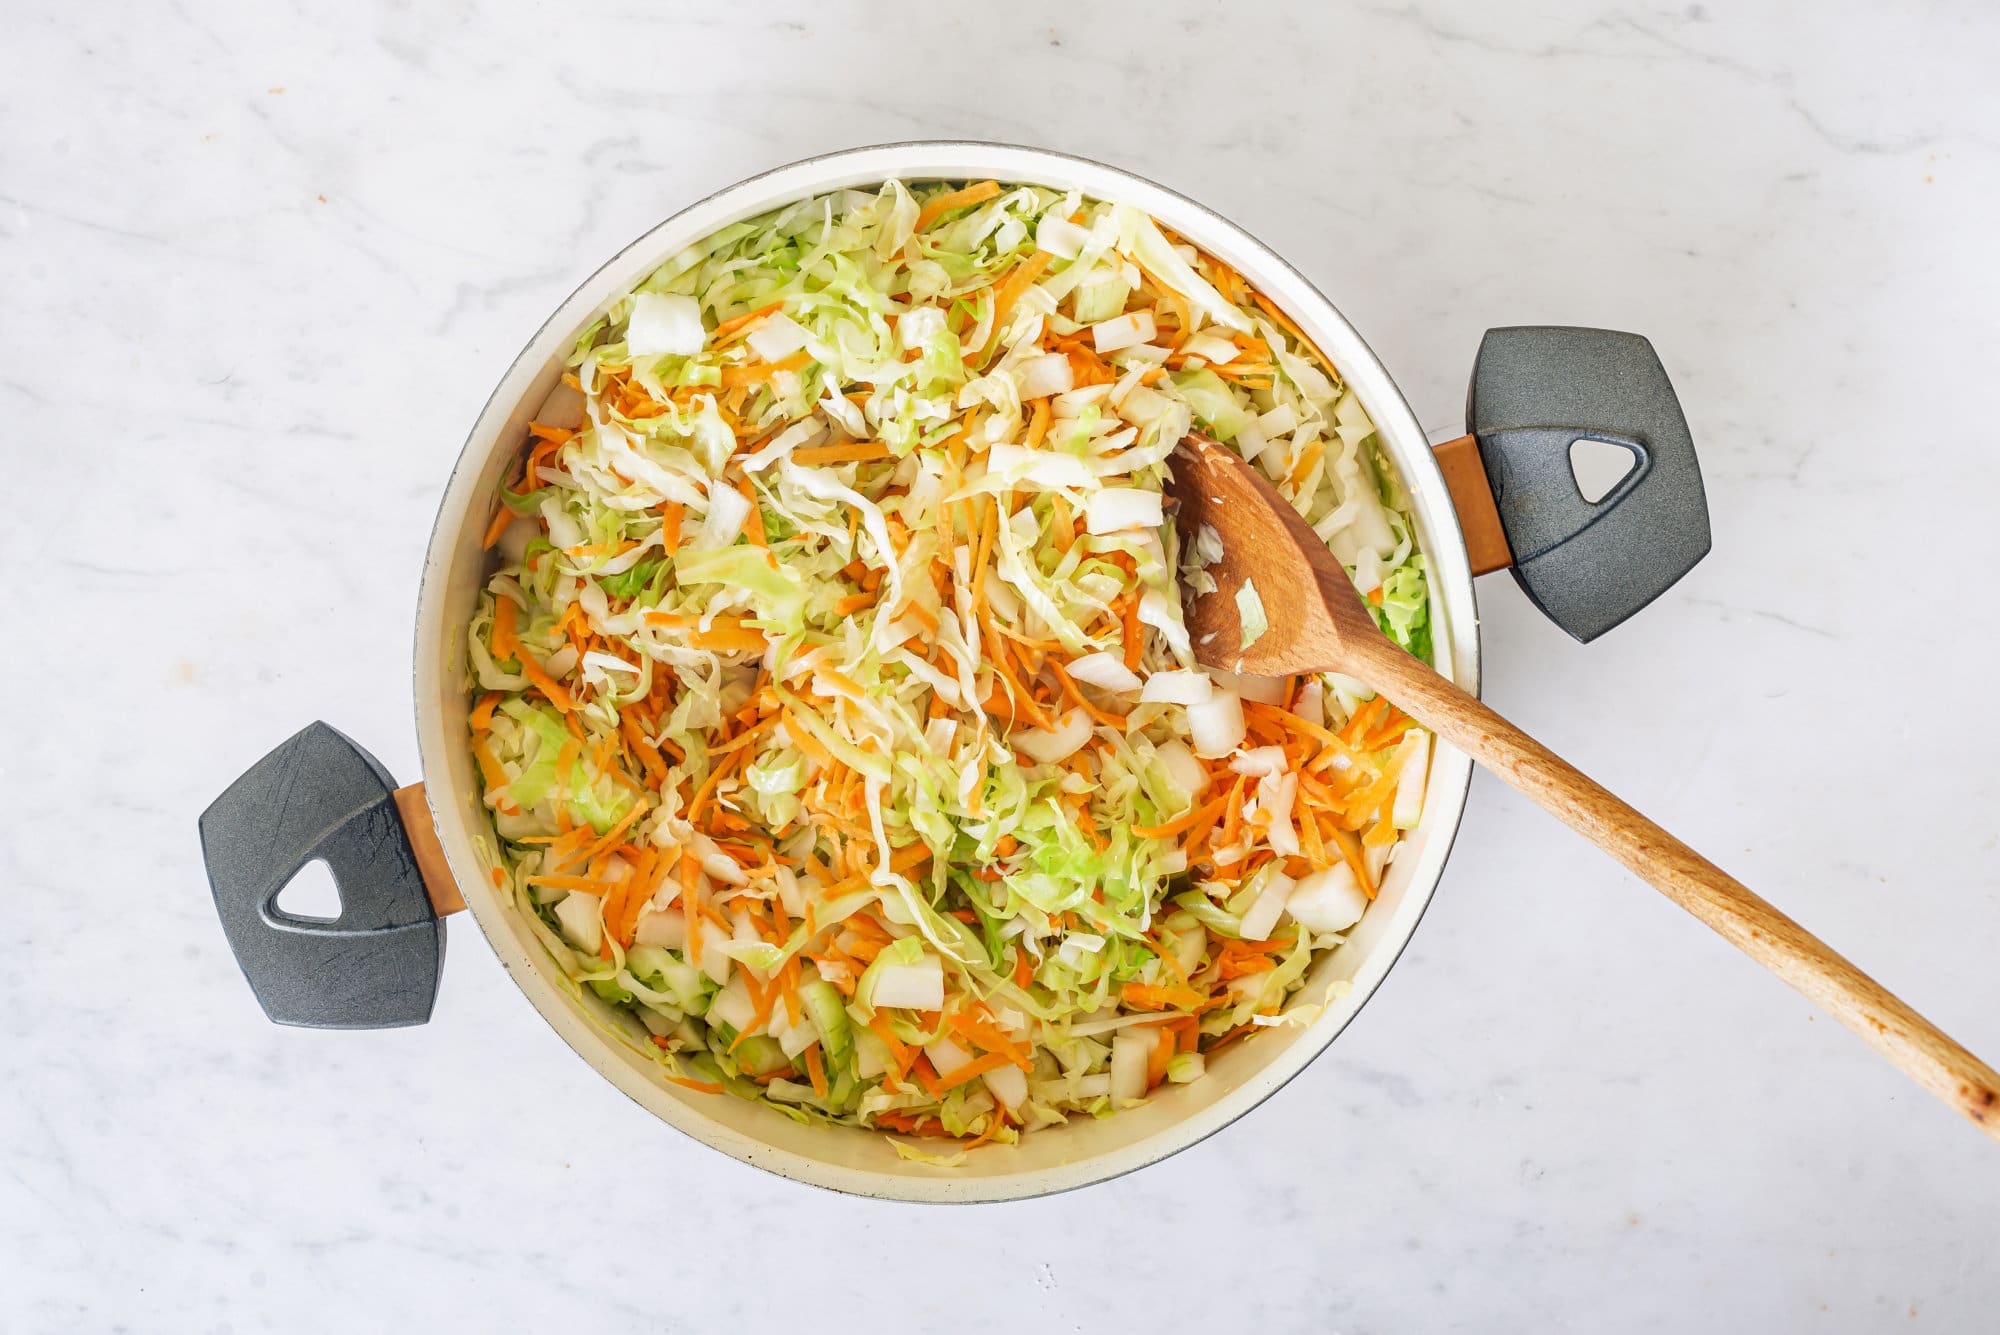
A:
927,1076
1308,457
1075,693
753,526
816,1069
490,767
672,514
1038,425
955,199
899,1052
1285,718
744,321
1134,632
1238,1032
996,657
986,1035
611,838
853,452
701,795
1350,852
851,604
482,713
505,646
502,517
590,885
737,639
1162,1053
757,373
913,1126
1186,820
1155,997
1364,719
972,1070
1285,322
1010,289
543,682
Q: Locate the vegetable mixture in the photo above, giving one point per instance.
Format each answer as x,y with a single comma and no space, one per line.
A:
835,709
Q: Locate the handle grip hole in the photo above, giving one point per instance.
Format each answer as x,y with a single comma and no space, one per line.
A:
1599,466
313,895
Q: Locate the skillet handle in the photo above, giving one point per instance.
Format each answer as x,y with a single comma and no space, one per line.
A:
1537,390
318,795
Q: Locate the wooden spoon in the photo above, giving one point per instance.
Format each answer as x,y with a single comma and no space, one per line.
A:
1318,624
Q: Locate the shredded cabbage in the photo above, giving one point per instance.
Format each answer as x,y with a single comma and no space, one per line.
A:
837,717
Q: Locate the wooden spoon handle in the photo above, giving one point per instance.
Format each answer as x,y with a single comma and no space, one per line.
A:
1907,1039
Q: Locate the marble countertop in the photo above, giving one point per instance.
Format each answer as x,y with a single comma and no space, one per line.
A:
262,265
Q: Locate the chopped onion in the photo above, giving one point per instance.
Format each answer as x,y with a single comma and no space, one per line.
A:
1105,670
581,921
793,1039
1377,857
1310,703
1115,509
1416,758
1129,1052
1060,237
515,537
778,337
666,928
1183,770
1328,901
1177,688
871,1056
1260,761
1277,793
1280,421
733,1006
1045,468
1212,348
918,986
1216,724
1252,686
1050,746
664,323
1075,401
1008,1084
1268,907
1122,331
1251,442
1039,376
1142,406
946,1056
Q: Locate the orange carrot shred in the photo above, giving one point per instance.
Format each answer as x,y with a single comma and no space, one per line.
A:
955,199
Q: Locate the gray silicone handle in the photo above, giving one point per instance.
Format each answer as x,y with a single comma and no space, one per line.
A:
1536,390
319,795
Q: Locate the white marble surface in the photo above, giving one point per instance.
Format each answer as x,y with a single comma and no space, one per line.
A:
261,265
